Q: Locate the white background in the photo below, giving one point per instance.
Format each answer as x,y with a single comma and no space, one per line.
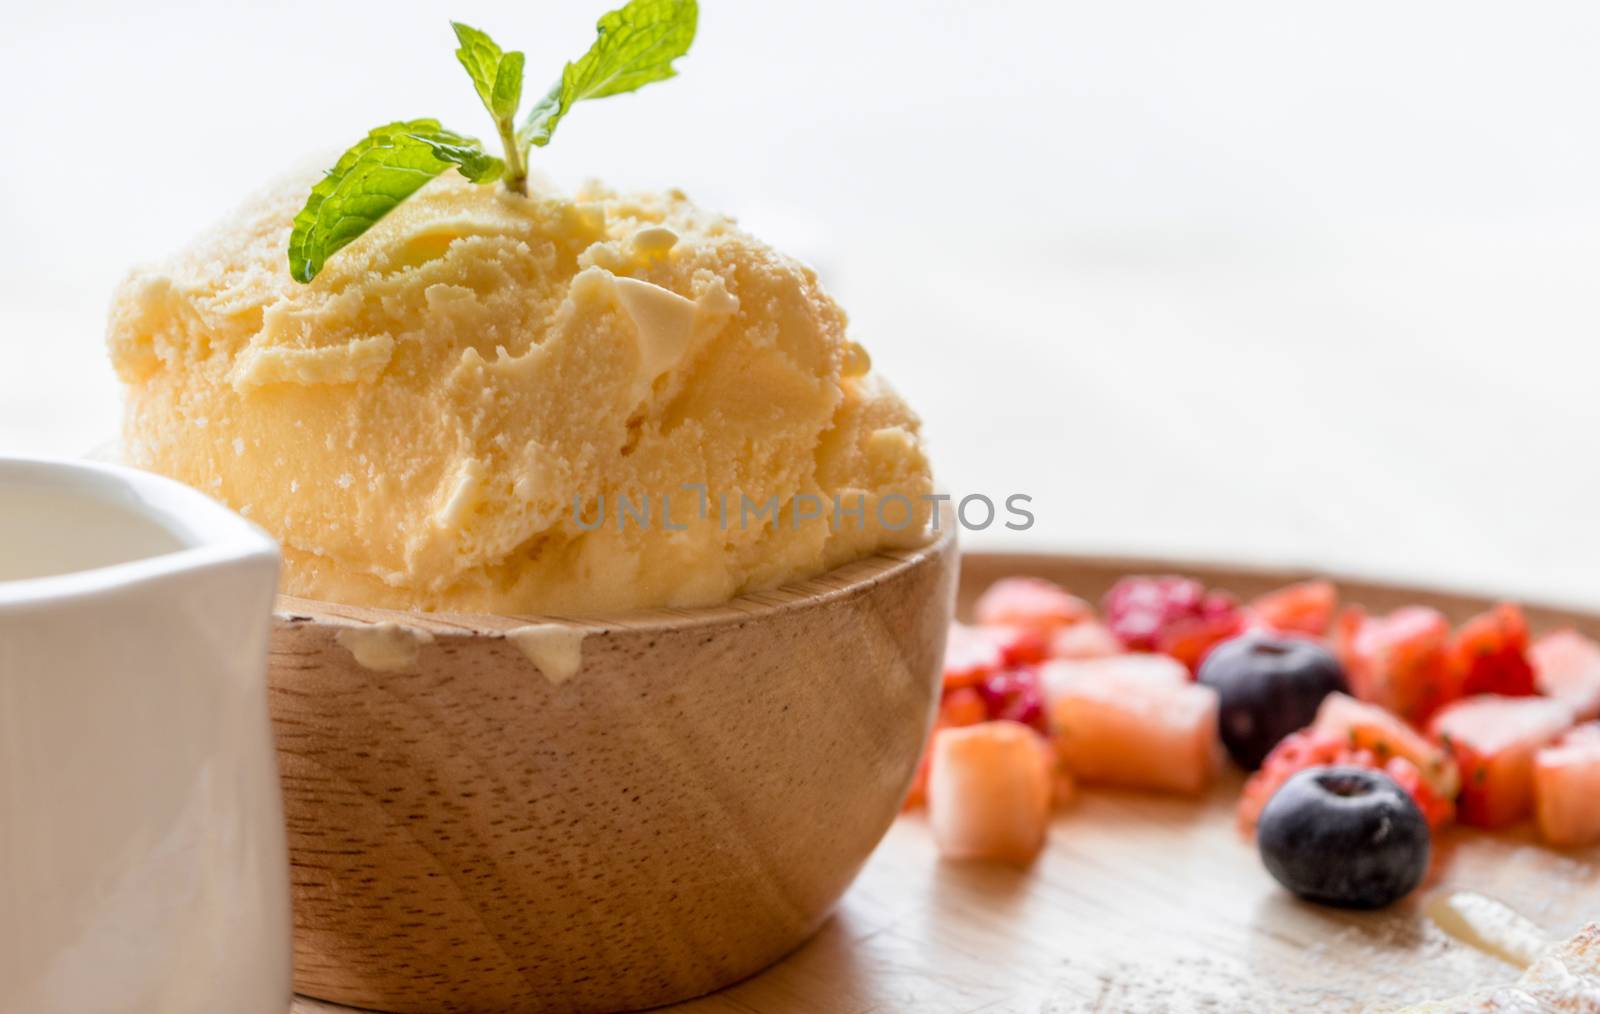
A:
1288,281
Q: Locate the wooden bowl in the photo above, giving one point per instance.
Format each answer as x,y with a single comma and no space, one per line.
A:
508,814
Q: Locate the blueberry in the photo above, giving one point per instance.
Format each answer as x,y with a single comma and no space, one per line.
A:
1344,836
1268,686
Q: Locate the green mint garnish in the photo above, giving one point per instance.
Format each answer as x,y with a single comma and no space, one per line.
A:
636,46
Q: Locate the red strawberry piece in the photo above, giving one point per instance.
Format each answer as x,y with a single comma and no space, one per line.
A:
1489,654
1304,608
1399,661
1313,747
963,706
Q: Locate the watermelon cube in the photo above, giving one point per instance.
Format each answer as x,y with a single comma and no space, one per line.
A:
1134,721
1494,739
1369,727
990,788
1566,665
1566,788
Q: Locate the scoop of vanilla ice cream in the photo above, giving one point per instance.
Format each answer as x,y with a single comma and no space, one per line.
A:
438,421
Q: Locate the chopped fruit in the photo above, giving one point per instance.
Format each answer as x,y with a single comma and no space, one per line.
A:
1172,615
1304,608
971,653
1345,836
1014,695
989,792
1566,665
963,706
1494,739
1190,641
1268,685
1369,727
1131,725
1308,749
1397,661
1566,788
1117,669
1089,639
1030,602
1489,654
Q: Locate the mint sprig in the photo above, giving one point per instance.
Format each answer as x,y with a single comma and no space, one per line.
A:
636,46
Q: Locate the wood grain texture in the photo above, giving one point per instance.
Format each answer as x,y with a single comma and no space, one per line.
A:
467,835
1149,904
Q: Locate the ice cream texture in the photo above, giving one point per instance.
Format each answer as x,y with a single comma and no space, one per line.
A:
436,420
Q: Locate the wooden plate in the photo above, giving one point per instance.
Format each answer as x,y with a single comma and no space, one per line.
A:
1143,903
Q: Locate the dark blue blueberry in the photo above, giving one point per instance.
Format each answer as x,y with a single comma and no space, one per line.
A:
1267,687
1344,836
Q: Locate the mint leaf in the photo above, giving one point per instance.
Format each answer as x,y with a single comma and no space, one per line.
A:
370,179
637,45
497,76
506,95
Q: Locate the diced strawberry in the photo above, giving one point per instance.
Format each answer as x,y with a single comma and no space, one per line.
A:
1489,654
1309,748
1369,727
1121,724
1566,788
1294,753
1304,608
1174,615
1566,665
1436,809
1494,739
1397,661
989,792
1030,602
1191,640
1089,639
963,706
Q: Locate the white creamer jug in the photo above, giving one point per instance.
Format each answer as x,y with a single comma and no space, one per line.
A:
143,867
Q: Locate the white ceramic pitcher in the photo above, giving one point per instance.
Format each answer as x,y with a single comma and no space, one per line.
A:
142,848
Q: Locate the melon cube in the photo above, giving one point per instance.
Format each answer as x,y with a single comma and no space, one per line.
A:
1566,788
1566,665
989,791
1134,721
1494,739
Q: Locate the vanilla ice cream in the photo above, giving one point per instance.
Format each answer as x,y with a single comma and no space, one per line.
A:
450,416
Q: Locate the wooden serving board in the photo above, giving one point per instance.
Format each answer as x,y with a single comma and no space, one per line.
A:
1149,904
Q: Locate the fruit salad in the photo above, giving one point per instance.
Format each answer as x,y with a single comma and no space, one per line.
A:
1363,734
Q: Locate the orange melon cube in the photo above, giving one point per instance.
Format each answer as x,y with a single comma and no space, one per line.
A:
1566,788
990,787
1566,665
1134,721
1494,739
